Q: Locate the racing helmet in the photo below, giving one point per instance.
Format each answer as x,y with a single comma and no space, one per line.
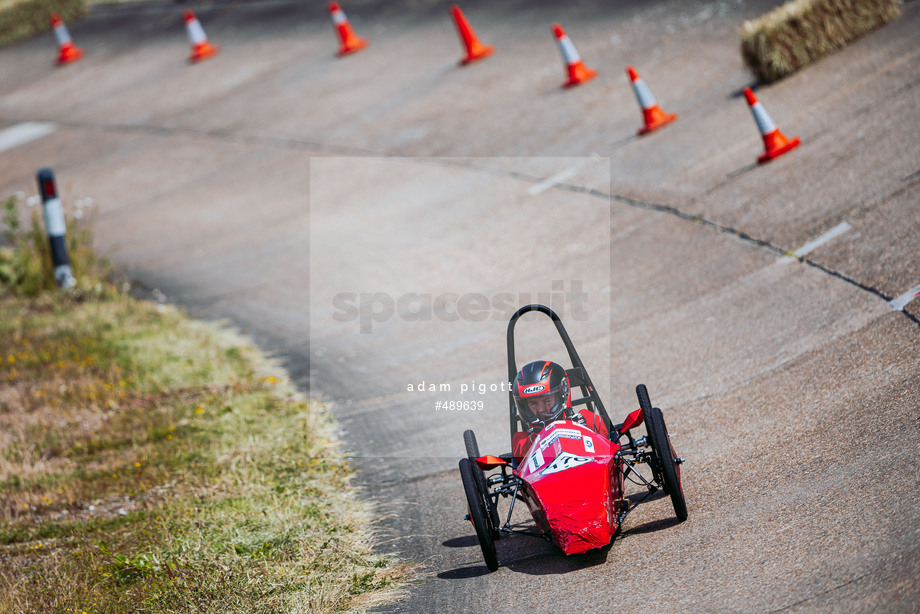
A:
541,392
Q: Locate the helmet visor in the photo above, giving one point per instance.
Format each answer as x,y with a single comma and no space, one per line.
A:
543,406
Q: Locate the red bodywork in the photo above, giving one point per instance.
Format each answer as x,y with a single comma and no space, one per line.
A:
573,486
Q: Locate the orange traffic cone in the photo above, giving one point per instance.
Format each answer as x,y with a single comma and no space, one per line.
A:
578,72
654,117
351,42
201,48
67,51
474,49
775,142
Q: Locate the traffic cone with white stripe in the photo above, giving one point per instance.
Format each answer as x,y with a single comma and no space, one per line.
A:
201,48
775,142
474,49
578,72
350,42
67,51
654,117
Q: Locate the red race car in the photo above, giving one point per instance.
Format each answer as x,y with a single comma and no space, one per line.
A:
568,465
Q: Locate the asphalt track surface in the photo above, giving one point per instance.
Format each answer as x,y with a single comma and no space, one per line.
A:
323,203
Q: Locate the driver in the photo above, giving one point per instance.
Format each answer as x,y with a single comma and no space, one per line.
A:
541,395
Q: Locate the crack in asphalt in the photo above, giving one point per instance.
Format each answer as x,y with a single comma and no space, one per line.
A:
698,219
293,143
821,594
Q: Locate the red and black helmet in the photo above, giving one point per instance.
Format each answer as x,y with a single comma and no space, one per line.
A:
541,392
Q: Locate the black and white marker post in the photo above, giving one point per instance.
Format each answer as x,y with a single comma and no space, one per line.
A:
56,228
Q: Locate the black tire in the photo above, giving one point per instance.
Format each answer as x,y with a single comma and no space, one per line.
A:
642,393
472,452
478,515
667,471
472,448
646,406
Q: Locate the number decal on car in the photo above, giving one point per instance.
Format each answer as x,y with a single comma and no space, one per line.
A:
565,461
536,460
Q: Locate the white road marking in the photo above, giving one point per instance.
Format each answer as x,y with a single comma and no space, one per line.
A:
899,303
546,184
559,177
20,134
831,234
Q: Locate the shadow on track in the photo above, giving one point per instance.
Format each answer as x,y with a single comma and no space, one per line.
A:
467,541
651,526
538,557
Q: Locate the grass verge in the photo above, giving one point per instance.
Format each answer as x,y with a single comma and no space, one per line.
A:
153,463
23,19
801,32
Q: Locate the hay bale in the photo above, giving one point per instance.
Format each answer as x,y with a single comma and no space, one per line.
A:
24,19
802,31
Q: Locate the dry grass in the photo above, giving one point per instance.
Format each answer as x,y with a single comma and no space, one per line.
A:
25,254
23,19
151,463
802,31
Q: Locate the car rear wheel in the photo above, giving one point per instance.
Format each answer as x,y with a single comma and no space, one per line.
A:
478,515
666,471
472,452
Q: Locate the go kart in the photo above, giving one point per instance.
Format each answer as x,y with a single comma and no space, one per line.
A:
571,477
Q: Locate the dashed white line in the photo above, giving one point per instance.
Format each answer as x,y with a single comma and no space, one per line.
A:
833,233
20,134
559,177
899,303
546,184
814,244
